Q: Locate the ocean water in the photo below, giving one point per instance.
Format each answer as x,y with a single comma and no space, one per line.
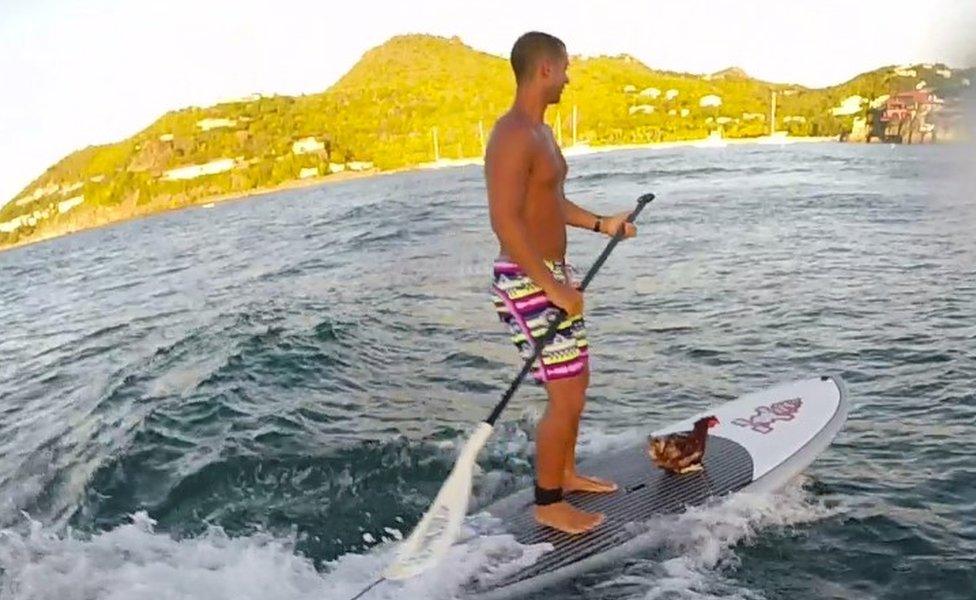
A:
258,399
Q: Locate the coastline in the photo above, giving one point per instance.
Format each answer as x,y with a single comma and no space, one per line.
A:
208,202
568,151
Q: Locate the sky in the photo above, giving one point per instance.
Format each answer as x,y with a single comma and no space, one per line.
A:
81,72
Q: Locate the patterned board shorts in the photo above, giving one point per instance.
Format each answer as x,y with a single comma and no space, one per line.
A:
522,305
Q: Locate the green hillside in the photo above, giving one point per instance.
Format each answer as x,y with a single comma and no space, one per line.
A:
382,114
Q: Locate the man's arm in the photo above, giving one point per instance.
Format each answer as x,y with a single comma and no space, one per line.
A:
580,217
508,160
577,216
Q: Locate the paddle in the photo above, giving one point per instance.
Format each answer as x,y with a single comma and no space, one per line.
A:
441,524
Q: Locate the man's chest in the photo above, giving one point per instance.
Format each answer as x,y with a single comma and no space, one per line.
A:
549,167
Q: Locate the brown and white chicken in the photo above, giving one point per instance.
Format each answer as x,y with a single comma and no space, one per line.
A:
681,452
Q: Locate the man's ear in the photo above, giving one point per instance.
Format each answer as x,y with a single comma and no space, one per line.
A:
545,67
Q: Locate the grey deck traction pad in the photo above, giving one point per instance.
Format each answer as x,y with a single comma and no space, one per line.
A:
644,491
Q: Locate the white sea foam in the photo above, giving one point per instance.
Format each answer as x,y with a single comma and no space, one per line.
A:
134,561
696,550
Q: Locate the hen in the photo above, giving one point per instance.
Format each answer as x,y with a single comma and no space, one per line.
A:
681,452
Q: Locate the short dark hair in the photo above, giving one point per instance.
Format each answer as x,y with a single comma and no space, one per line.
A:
529,48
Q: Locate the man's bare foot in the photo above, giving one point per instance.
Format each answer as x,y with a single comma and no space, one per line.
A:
574,482
564,517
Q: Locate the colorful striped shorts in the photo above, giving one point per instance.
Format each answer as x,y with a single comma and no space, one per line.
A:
522,305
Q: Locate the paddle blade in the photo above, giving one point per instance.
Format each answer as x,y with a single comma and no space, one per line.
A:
440,525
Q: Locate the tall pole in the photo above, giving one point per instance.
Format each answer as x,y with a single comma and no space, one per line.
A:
559,128
574,124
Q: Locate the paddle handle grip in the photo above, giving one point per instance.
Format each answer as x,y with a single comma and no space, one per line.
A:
556,317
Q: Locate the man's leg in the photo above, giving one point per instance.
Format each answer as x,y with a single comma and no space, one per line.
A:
554,435
572,481
555,431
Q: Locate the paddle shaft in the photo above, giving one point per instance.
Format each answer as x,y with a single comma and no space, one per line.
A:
560,315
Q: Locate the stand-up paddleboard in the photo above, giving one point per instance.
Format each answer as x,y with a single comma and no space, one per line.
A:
762,441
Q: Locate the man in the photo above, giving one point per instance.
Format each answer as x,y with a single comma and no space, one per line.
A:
525,172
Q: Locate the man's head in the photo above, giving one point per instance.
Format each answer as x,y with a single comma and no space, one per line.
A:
540,61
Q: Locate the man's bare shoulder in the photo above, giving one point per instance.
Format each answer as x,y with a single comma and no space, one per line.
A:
510,132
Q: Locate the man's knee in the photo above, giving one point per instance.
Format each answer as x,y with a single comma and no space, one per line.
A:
576,404
568,395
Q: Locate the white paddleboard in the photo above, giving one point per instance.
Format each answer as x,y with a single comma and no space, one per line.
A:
762,440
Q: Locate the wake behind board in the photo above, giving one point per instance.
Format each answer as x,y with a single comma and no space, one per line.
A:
763,440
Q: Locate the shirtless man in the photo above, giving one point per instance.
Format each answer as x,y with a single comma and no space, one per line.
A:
525,172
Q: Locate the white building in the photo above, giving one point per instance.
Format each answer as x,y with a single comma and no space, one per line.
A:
39,193
849,106
650,92
30,219
194,171
671,94
208,124
307,146
710,100
66,205
13,224
236,99
305,173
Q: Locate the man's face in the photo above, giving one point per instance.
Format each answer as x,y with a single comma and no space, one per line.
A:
556,77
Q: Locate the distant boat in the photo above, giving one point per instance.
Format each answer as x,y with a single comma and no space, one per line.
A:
445,163
714,140
777,137
577,149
